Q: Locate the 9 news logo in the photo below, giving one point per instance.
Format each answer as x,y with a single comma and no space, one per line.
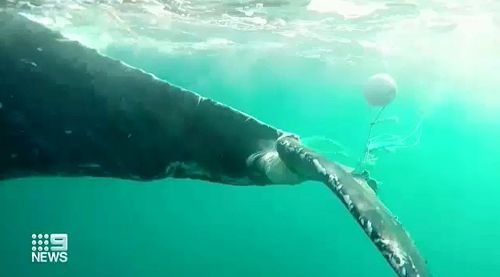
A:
49,248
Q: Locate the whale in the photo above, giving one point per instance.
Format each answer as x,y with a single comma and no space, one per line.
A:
68,110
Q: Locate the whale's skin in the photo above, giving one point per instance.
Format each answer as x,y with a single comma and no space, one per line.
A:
382,228
68,110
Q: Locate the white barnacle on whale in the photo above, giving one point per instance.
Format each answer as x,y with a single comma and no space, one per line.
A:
319,167
332,179
393,252
347,200
369,227
28,62
339,188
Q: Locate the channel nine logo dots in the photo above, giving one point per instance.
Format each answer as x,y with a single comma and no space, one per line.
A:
40,242
49,248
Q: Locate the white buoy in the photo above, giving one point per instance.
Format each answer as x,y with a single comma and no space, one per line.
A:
380,90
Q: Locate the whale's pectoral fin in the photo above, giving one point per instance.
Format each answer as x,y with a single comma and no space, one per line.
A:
376,220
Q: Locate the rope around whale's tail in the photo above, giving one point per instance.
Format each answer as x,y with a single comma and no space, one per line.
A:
375,219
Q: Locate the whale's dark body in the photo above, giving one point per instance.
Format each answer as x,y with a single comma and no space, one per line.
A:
67,110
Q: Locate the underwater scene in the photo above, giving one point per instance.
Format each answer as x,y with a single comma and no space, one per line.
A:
347,138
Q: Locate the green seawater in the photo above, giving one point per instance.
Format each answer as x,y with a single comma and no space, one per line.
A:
444,190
